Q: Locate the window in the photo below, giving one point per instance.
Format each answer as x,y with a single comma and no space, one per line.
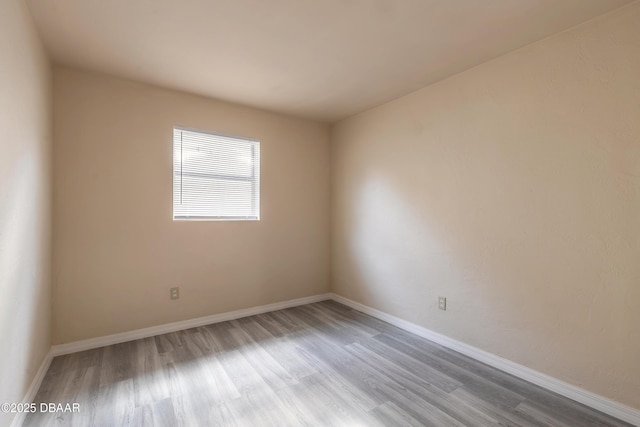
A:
215,176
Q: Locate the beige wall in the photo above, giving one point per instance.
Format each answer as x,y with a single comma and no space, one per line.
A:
513,189
25,247
117,250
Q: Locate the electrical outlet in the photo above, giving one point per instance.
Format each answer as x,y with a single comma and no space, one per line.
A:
442,303
174,293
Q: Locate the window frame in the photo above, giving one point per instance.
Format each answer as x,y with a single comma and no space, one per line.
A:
255,182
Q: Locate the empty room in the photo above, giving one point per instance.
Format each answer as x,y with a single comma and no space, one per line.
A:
319,213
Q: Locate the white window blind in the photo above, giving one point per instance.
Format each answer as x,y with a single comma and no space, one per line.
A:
215,176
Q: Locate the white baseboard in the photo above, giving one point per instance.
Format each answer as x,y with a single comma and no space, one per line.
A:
88,344
33,388
602,404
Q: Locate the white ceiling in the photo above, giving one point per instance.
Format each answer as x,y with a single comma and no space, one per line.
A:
322,59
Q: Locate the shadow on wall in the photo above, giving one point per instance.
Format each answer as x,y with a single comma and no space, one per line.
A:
394,249
407,256
536,257
24,294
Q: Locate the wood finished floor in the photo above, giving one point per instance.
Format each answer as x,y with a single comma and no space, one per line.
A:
321,364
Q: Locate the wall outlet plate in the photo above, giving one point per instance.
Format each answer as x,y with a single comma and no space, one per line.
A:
174,293
442,303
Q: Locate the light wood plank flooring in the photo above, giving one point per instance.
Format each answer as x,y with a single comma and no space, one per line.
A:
317,365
